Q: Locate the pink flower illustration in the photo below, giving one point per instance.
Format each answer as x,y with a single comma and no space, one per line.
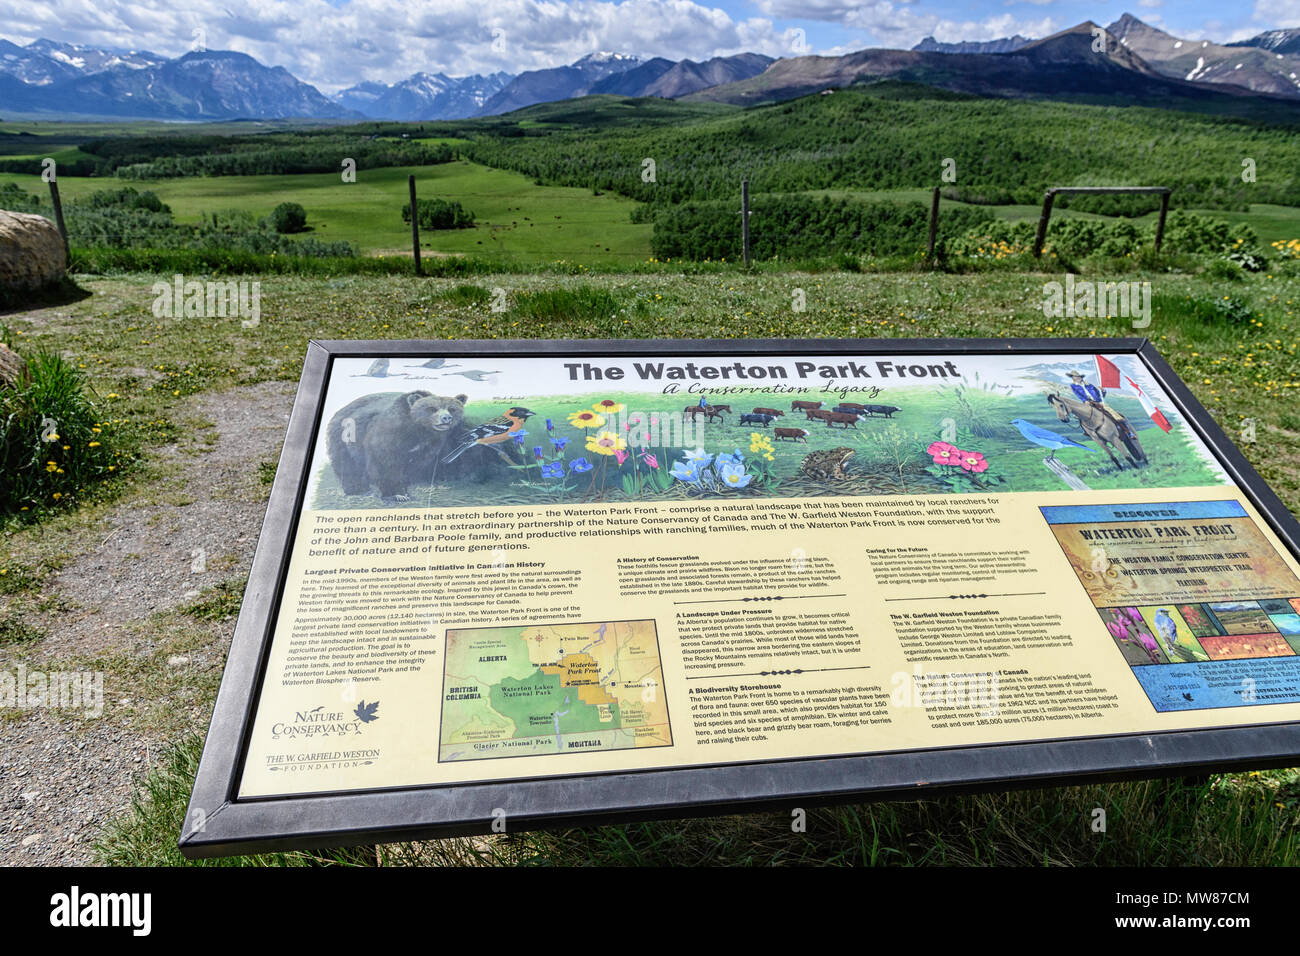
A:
650,460
972,461
621,456
943,453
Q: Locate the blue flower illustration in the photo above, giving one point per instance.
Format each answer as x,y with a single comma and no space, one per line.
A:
580,465
553,469
733,475
687,471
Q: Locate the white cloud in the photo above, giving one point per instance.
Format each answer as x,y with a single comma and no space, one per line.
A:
892,26
1277,13
332,46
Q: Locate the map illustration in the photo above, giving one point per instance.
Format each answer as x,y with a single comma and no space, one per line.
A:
551,689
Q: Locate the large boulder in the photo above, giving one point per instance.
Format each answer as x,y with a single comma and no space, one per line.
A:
31,251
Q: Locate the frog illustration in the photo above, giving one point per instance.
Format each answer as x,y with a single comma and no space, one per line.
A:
828,463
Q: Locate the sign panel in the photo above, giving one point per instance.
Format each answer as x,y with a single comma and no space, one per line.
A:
557,582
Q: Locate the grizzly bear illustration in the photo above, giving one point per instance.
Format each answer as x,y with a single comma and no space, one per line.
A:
391,440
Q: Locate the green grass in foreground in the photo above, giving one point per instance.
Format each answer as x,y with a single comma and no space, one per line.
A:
150,365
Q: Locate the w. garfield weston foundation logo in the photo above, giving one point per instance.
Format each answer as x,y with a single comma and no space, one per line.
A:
320,722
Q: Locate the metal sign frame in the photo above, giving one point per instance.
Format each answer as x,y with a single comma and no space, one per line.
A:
218,823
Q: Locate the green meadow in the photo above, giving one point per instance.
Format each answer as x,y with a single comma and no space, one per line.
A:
514,218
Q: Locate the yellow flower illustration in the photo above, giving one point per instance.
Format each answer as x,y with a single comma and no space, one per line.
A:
609,407
585,420
605,443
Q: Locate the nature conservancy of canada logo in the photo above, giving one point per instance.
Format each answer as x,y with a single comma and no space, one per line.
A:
320,722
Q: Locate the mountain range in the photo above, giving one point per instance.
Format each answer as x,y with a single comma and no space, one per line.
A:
1071,65
1138,65
1004,45
1253,65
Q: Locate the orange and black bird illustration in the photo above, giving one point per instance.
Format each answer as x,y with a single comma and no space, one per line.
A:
490,433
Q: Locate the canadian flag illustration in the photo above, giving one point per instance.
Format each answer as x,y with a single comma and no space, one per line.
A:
1109,376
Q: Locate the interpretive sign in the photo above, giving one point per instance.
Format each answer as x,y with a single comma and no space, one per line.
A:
505,585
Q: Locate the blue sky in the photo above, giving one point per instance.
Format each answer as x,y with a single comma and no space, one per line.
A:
335,43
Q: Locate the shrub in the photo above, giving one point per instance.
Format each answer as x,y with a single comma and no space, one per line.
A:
15,199
797,226
288,217
439,214
126,198
1185,232
53,444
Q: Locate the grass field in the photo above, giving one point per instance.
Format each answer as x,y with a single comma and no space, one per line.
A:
1246,373
514,217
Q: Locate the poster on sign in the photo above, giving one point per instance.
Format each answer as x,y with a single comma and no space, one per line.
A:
553,582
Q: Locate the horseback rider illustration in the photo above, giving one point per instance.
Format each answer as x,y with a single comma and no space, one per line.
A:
1085,391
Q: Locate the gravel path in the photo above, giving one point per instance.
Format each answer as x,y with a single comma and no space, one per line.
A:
62,778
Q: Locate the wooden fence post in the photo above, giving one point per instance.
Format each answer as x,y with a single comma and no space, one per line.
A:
934,221
1041,236
1160,223
415,226
58,221
744,220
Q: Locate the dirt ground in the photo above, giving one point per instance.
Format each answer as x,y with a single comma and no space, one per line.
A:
62,776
